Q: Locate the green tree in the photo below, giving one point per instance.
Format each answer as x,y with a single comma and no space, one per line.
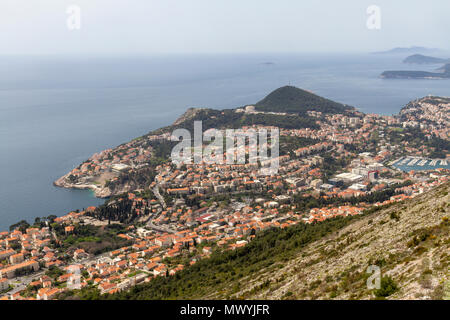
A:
387,287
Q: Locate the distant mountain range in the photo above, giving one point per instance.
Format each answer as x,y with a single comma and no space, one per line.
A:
410,50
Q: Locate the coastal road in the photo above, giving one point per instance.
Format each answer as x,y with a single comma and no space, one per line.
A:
150,219
21,283
159,228
159,196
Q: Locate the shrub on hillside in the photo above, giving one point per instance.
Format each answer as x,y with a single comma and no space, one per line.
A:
387,287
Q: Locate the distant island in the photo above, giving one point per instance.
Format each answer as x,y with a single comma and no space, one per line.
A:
442,73
410,50
421,59
418,58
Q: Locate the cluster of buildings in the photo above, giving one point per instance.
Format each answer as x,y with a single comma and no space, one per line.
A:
107,164
22,253
430,114
220,206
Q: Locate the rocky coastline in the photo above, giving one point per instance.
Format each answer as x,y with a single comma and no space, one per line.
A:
99,192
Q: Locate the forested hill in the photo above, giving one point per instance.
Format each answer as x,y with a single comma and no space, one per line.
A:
294,100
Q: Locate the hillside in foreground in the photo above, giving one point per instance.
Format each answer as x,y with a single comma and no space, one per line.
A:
409,241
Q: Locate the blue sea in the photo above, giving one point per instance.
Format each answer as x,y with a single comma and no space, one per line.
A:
56,111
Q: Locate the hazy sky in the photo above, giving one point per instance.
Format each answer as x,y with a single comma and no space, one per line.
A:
213,26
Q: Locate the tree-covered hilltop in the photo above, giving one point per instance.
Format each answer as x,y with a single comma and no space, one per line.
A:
230,119
294,100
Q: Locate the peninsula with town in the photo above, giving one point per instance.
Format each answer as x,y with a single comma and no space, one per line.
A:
352,190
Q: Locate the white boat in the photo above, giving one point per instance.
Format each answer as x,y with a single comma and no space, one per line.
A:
404,161
422,163
443,162
433,162
413,162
